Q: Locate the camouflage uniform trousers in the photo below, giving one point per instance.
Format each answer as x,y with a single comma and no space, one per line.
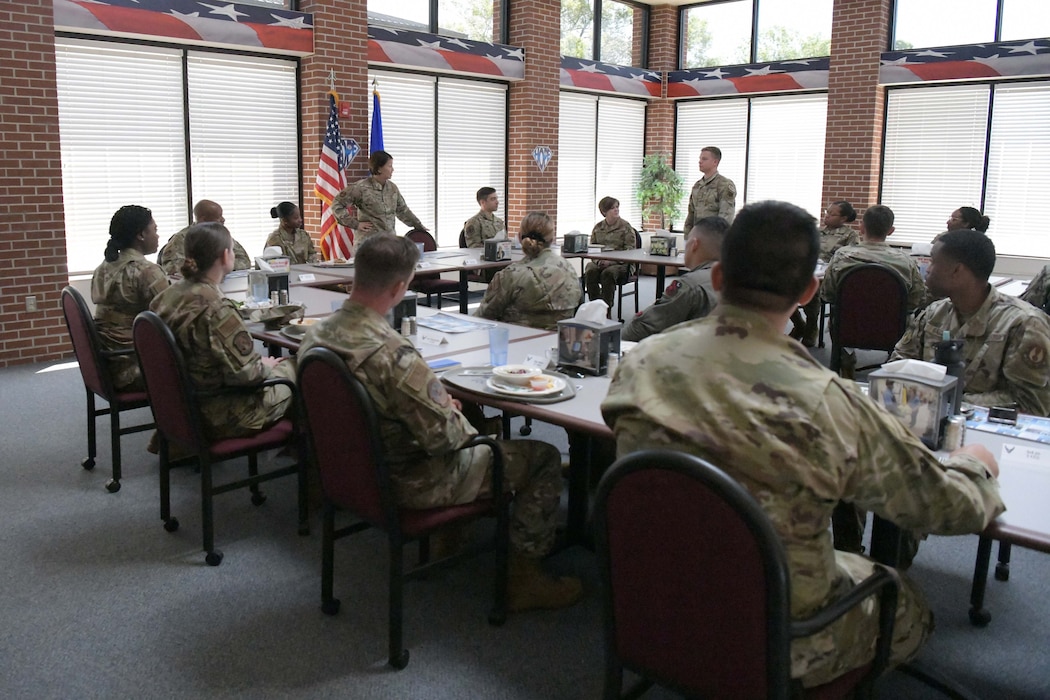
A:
602,281
531,469
272,404
853,642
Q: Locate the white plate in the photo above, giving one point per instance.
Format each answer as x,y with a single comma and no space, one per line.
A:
294,332
518,390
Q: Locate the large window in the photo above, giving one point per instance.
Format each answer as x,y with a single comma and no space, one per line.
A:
601,141
612,31
469,19
921,23
720,32
772,147
124,139
985,146
448,139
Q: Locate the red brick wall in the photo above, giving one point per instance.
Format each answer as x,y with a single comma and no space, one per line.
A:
659,115
536,27
32,229
860,30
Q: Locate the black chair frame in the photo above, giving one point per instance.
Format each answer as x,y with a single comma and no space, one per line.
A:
632,278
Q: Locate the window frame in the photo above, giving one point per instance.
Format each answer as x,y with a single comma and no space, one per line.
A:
596,31
434,22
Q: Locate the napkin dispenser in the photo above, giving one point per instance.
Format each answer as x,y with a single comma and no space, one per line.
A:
404,308
575,243
497,250
663,245
277,281
586,345
922,404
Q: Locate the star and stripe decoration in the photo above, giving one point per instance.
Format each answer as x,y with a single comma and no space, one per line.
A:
584,74
974,61
778,76
411,49
209,23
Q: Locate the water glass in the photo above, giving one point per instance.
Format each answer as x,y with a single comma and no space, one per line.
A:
499,337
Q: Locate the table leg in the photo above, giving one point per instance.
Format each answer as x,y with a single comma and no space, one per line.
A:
463,275
978,615
579,467
661,277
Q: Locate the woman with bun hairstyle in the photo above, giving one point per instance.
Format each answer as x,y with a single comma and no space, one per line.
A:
124,285
538,290
215,343
290,236
965,218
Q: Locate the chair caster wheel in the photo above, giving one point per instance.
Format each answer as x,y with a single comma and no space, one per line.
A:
213,558
496,619
88,463
400,661
258,499
113,486
525,430
330,607
980,618
1002,572
171,524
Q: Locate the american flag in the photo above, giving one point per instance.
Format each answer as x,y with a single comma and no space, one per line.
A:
336,239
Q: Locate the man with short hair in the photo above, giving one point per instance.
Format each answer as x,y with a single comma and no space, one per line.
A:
422,427
713,194
733,389
172,254
1006,340
691,295
485,224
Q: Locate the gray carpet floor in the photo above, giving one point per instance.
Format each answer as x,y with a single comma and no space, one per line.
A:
98,601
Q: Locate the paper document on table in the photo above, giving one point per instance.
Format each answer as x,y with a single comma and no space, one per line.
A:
446,323
1033,428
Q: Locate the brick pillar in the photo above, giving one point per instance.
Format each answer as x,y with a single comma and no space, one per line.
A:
340,44
32,226
536,27
855,102
663,56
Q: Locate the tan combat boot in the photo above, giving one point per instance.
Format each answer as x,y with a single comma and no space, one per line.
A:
529,588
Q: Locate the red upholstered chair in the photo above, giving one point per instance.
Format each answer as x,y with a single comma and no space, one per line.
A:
175,401
343,432
632,279
430,283
91,358
870,313
696,590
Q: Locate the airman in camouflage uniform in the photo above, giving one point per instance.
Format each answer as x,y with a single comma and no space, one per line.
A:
377,203
874,252
172,254
481,227
732,389
831,239
219,351
712,195
835,234
536,292
1038,291
602,276
297,245
120,290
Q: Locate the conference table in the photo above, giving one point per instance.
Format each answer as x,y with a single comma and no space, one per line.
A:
635,256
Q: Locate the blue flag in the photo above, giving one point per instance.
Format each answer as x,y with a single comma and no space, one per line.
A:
375,139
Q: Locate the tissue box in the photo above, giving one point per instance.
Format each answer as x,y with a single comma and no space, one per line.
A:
586,345
575,243
663,245
278,263
497,250
923,405
405,307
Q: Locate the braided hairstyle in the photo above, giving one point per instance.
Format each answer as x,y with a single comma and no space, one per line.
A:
129,221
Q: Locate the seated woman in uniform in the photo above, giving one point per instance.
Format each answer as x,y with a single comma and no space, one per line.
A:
540,289
611,233
215,343
124,285
290,236
965,218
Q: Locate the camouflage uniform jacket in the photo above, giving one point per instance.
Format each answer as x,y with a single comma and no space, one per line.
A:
873,252
831,239
218,351
481,227
421,430
536,292
1007,342
733,390
688,297
1038,291
711,197
120,290
375,203
173,253
297,245
618,236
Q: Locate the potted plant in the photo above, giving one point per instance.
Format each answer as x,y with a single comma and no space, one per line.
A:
660,190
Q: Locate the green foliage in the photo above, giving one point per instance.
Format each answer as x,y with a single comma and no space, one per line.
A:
783,44
661,189
577,28
902,45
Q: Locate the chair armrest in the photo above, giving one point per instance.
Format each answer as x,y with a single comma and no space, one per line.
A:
247,388
117,353
497,460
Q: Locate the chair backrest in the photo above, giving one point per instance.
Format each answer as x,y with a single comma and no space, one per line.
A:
418,235
462,238
343,431
86,345
871,311
696,588
171,393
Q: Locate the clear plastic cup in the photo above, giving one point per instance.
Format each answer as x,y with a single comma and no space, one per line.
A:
499,337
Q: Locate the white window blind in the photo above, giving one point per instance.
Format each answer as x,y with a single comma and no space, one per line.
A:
407,106
577,133
472,128
243,140
786,150
621,145
1019,169
720,123
933,156
122,138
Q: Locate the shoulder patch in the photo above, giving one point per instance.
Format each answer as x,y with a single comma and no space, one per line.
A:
230,324
672,288
1035,356
242,342
436,392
